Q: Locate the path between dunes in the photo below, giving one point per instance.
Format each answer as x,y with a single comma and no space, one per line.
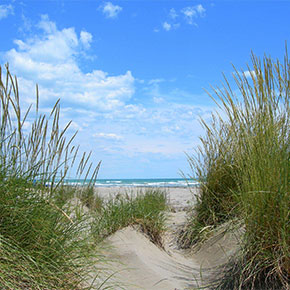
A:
140,264
146,266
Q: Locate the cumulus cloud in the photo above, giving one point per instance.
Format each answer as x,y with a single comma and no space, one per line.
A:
110,10
189,13
200,9
5,11
166,26
100,104
192,12
51,60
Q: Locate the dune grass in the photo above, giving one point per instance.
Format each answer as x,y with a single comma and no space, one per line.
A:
43,248
42,244
90,199
50,233
147,210
244,164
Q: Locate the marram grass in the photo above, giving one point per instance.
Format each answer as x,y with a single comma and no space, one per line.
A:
146,210
40,242
244,163
50,233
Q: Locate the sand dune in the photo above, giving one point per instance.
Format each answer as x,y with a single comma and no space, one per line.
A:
145,266
139,264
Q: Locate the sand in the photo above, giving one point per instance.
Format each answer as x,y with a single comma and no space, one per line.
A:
139,264
179,197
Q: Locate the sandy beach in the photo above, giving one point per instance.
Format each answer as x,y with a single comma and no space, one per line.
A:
137,263
179,197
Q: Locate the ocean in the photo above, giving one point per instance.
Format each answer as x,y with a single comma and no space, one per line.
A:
162,182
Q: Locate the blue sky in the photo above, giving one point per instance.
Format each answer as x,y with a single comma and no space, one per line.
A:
131,74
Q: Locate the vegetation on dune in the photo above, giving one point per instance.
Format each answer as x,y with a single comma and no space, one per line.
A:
40,243
147,210
244,165
47,239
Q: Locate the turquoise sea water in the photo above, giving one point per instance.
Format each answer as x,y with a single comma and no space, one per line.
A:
164,182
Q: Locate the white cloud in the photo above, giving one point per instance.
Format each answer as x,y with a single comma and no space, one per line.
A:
156,81
111,10
189,13
133,130
135,109
249,74
101,106
192,12
6,10
86,39
173,14
166,26
50,59
200,9
109,136
47,25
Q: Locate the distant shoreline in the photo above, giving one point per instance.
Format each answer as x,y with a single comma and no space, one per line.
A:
145,182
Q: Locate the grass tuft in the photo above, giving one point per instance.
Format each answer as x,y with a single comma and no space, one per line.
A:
243,164
43,244
147,210
90,199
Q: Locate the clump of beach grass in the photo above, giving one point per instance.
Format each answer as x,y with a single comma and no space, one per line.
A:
42,245
90,198
244,168
146,209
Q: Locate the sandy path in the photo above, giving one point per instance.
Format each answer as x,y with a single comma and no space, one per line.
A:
139,264
143,265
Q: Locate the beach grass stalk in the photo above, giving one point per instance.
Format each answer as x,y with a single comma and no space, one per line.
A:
43,243
244,168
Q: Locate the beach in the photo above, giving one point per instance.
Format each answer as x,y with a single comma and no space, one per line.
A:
179,198
137,263
128,161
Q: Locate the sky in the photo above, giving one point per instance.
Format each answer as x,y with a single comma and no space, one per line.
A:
132,75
